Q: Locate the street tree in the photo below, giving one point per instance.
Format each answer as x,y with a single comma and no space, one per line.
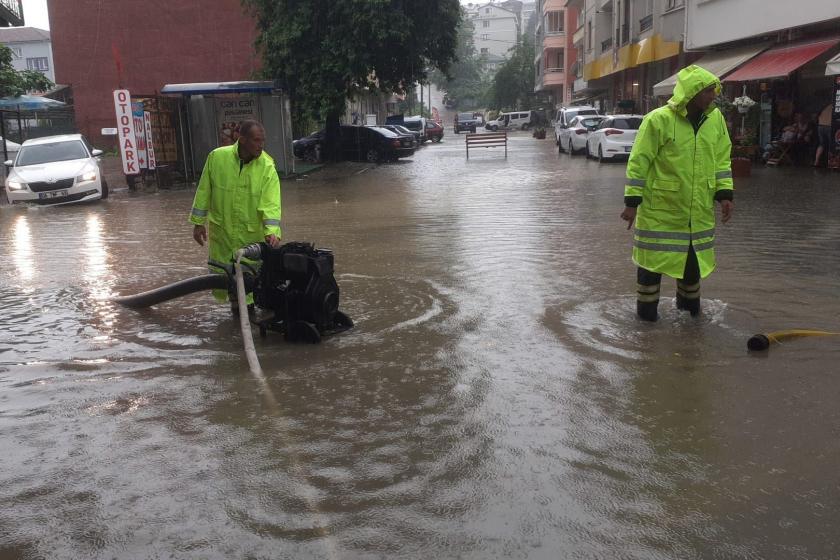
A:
17,82
513,85
323,52
463,84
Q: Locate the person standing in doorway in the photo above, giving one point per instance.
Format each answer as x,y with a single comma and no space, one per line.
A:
678,167
823,133
239,194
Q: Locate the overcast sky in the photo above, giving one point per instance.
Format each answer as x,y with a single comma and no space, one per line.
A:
35,13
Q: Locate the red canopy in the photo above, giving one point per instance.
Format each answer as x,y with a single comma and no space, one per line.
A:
781,61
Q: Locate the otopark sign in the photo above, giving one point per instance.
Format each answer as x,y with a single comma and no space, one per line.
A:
125,132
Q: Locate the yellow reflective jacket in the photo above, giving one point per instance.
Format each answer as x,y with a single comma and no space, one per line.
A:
241,202
678,174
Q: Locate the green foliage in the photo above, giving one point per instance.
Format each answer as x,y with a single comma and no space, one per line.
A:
464,84
13,82
513,85
325,51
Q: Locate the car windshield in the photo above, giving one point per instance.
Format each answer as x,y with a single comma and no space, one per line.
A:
465,116
384,131
402,129
413,125
630,123
586,112
55,151
590,122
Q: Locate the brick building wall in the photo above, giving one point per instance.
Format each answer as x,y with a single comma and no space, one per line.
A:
158,43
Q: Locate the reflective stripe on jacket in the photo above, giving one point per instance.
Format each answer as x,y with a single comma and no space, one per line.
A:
241,202
677,173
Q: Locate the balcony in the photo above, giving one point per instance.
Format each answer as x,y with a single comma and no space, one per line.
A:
11,13
606,44
554,41
554,77
579,35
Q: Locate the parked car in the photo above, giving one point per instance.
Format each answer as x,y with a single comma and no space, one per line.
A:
465,122
373,144
573,137
514,120
614,137
565,115
403,131
309,147
434,131
55,170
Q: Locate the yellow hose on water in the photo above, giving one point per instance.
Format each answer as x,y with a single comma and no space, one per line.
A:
762,341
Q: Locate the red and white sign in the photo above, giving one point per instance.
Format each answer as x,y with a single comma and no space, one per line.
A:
150,148
139,132
125,127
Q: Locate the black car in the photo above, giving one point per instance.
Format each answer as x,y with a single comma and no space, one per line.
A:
373,144
465,121
309,147
403,131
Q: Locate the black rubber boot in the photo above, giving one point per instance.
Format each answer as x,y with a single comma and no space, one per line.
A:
647,311
690,305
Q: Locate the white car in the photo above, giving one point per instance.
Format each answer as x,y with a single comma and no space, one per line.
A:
573,137
55,170
519,119
12,148
566,114
614,137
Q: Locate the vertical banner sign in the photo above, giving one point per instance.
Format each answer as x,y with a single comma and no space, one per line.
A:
230,112
125,129
150,148
835,117
139,132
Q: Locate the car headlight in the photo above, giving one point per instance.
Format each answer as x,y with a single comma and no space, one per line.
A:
16,185
88,175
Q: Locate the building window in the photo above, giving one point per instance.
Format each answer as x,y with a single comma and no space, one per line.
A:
15,52
589,35
485,37
487,10
671,4
484,50
554,22
486,23
41,64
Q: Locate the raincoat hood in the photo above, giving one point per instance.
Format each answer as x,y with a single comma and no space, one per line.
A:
691,80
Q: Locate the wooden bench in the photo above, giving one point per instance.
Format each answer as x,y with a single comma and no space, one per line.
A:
486,140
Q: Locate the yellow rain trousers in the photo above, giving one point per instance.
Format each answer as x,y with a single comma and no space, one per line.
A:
678,173
241,202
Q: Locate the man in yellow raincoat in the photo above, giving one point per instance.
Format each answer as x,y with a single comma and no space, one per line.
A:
239,194
678,168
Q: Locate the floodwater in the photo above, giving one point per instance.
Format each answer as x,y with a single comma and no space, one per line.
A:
496,399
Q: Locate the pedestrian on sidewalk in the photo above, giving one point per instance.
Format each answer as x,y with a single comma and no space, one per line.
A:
678,167
239,194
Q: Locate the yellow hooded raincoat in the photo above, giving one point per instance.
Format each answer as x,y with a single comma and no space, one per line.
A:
678,174
241,202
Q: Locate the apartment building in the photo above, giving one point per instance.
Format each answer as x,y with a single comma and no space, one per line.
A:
496,29
31,49
555,52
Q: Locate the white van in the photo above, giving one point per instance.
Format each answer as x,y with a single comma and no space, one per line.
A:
514,120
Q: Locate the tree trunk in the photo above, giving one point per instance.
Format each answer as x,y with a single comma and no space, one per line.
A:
332,139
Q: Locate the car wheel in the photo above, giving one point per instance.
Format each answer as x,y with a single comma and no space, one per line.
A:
571,148
104,189
372,155
436,139
600,154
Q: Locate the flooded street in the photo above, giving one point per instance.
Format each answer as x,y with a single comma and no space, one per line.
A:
497,397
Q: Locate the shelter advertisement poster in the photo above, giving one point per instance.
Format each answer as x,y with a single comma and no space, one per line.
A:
125,129
835,116
230,112
140,133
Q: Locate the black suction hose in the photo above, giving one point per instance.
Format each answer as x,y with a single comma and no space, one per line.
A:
172,291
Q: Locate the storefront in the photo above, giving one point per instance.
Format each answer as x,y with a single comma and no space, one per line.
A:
213,111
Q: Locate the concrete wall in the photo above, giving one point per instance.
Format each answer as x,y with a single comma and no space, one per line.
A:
158,43
33,49
712,22
500,34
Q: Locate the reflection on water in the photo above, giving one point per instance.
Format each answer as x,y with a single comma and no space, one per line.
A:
496,399
22,252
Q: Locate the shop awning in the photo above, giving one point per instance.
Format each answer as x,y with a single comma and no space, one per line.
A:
780,61
208,88
719,63
832,67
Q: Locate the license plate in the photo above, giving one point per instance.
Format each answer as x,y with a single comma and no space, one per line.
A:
52,194
628,148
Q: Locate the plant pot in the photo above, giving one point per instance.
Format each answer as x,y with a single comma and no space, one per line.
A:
741,167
